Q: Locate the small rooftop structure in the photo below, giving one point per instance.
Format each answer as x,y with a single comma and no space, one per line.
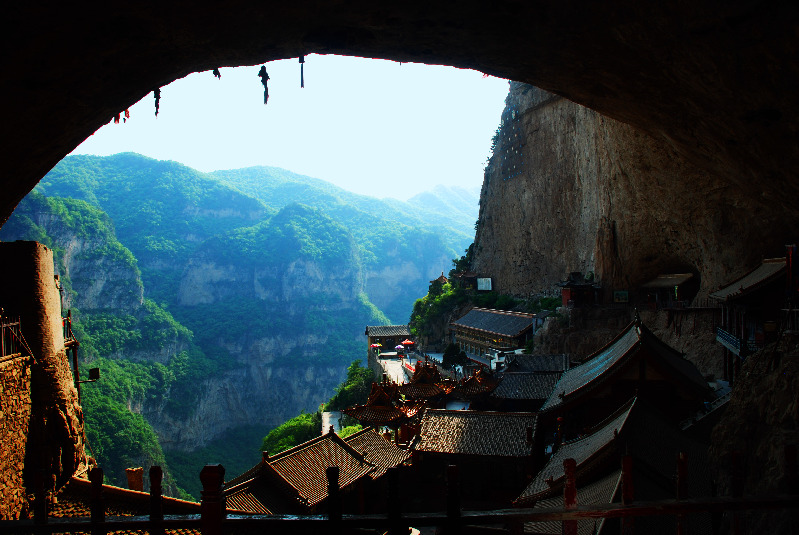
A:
388,330
379,408
387,337
442,279
579,290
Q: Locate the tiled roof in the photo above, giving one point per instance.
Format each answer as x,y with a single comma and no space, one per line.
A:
388,330
376,414
419,390
300,473
74,500
477,384
382,394
596,493
476,433
426,372
499,322
262,495
764,273
526,385
599,363
537,363
378,451
604,362
635,428
304,466
581,450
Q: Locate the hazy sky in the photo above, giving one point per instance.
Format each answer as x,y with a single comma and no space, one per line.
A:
371,126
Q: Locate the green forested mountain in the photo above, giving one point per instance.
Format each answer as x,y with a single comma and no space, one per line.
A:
213,309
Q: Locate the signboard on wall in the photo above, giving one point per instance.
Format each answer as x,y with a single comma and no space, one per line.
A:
484,284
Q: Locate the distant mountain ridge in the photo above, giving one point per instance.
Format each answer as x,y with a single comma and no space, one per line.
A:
214,301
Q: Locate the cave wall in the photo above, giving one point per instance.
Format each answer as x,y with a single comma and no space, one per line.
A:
714,81
567,189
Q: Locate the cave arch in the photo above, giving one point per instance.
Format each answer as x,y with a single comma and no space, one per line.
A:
717,82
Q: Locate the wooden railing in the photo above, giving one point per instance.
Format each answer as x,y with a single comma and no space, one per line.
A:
214,520
12,344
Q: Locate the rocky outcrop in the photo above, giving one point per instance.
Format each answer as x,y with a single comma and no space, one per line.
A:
570,190
761,419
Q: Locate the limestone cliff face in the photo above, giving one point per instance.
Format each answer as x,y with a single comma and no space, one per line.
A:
99,280
280,371
570,190
263,393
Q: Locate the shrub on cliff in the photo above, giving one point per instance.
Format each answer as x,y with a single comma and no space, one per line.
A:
354,390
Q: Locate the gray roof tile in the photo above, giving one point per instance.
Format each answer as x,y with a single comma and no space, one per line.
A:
496,321
476,433
526,385
388,330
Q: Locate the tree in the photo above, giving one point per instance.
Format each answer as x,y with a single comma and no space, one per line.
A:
453,356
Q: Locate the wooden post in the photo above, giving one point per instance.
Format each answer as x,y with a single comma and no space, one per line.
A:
333,499
570,494
627,493
212,505
156,505
453,500
682,486
97,504
40,505
394,506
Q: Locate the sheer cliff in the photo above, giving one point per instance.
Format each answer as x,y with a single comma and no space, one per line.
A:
567,189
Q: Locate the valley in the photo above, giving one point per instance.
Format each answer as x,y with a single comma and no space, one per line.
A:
210,311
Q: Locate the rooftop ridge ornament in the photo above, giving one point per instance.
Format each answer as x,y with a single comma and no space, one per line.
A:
302,71
264,79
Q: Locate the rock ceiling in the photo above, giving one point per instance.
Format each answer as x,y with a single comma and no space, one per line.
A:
719,81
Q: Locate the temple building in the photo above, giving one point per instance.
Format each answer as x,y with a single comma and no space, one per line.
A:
482,329
670,290
295,481
751,307
386,337
494,453
636,362
653,445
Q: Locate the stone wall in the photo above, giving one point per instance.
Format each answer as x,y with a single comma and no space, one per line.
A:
55,438
15,413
